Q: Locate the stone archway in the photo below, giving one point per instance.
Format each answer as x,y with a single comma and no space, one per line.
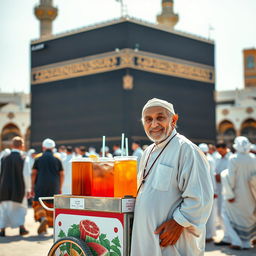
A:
226,132
248,129
8,132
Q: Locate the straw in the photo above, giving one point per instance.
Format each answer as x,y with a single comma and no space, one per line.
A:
126,146
122,145
103,146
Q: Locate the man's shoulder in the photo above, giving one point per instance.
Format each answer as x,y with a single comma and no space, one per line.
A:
184,142
38,156
14,155
189,147
57,156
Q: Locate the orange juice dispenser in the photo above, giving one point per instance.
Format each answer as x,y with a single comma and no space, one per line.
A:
125,176
82,176
103,177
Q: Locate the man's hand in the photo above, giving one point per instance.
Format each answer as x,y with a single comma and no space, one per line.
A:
29,195
170,232
218,178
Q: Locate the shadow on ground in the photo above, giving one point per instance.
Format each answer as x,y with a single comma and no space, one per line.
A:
225,250
32,238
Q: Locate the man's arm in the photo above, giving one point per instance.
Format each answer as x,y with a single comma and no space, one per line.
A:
196,188
61,180
197,192
27,177
33,181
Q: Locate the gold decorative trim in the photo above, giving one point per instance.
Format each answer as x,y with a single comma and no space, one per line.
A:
126,58
167,4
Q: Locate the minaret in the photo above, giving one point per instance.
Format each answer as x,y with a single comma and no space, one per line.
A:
250,67
167,17
46,13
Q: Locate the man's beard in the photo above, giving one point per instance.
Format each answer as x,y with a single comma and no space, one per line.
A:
163,136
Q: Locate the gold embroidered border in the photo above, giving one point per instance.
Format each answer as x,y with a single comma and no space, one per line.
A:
126,58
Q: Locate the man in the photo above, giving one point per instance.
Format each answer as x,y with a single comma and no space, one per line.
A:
14,186
137,151
62,152
67,171
117,151
47,180
175,192
92,152
221,165
82,151
213,152
211,223
107,153
239,206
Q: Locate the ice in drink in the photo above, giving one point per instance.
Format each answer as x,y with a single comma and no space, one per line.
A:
82,177
103,178
125,176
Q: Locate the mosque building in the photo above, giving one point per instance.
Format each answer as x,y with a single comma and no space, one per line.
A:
236,109
14,118
82,89
95,80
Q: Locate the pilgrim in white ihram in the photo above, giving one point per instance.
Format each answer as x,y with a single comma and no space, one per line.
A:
176,184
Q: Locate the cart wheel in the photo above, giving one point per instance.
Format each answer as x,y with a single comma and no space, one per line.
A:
70,246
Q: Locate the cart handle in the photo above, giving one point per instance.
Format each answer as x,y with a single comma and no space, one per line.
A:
44,205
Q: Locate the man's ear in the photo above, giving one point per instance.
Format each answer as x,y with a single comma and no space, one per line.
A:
174,120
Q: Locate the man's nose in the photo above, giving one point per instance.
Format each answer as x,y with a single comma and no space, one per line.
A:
154,123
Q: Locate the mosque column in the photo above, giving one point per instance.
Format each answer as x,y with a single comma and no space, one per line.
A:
167,18
46,13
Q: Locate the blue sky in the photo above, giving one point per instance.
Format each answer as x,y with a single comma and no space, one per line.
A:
233,23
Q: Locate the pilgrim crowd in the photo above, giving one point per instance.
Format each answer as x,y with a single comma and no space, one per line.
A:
25,176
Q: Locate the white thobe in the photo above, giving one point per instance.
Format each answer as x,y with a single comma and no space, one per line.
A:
221,164
211,223
178,187
138,152
239,217
12,214
67,166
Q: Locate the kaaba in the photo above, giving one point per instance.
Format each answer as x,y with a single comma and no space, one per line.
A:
94,81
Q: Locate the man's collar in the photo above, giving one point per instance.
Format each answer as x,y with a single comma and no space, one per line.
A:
48,150
15,150
163,143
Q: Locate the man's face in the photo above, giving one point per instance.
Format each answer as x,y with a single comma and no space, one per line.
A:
158,123
222,151
134,146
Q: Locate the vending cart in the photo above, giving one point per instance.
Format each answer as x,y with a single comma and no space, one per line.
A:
92,226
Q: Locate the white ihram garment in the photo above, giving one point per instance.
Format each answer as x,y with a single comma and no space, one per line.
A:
178,187
239,217
211,223
67,166
221,164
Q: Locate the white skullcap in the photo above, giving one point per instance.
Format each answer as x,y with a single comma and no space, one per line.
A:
106,149
204,147
31,151
253,147
48,143
242,144
158,103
